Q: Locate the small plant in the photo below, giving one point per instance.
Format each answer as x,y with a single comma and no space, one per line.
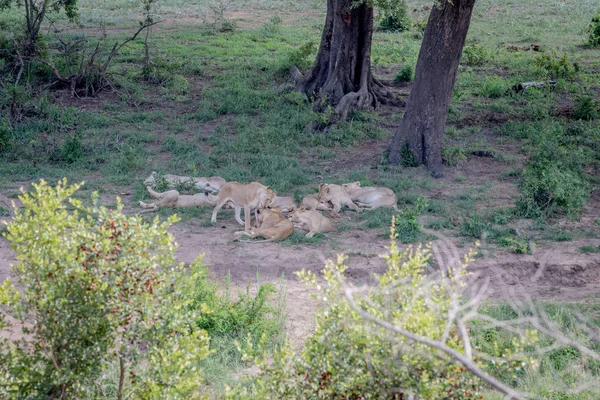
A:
516,245
593,31
557,67
475,54
406,74
72,150
221,23
454,156
419,27
475,227
586,108
4,133
408,228
590,249
396,19
494,87
272,27
301,57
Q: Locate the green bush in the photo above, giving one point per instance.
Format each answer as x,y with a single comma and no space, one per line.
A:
72,150
593,31
586,108
494,87
475,54
350,358
549,187
396,19
301,57
454,156
408,228
557,67
96,289
516,245
406,74
177,85
4,134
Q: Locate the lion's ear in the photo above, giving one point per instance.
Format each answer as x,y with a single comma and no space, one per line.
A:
327,190
321,185
344,185
357,183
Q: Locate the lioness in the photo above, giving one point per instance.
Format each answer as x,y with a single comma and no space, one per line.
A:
311,202
172,198
273,226
371,196
286,204
312,221
251,196
336,195
212,184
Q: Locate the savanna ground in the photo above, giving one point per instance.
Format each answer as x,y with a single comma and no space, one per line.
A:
220,102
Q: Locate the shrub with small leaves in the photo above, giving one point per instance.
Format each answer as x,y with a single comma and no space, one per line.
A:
557,67
454,156
475,54
96,288
408,227
593,31
406,74
396,18
349,357
586,107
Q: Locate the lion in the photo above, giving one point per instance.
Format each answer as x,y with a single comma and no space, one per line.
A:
337,196
172,198
371,196
286,204
312,221
251,196
211,184
273,226
311,202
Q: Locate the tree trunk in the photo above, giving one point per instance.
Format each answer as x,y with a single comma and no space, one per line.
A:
341,74
426,112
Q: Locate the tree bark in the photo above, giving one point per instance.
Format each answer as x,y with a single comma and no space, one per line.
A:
341,74
426,112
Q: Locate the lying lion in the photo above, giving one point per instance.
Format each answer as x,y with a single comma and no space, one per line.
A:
172,198
273,226
311,202
371,196
212,184
337,196
251,196
312,221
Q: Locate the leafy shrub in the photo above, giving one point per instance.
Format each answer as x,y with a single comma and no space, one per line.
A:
548,187
4,134
249,315
72,150
350,358
408,228
494,87
301,57
586,107
475,54
406,74
593,31
95,289
419,27
396,19
454,156
557,67
272,27
516,245
474,226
